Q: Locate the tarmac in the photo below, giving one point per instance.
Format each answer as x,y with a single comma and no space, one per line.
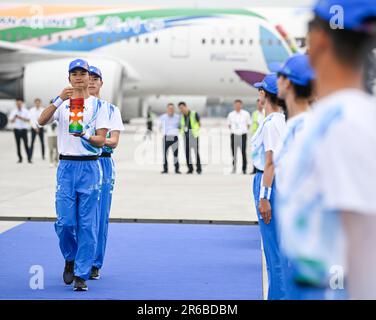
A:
142,193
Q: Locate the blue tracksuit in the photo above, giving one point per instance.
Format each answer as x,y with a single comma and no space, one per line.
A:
108,169
274,259
77,197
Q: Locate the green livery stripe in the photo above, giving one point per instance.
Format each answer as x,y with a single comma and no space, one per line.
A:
21,33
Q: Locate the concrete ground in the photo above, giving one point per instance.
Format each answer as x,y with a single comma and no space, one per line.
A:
141,192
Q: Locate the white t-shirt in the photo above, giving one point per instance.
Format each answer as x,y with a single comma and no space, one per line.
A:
34,116
239,122
96,116
116,123
268,137
295,126
20,124
331,168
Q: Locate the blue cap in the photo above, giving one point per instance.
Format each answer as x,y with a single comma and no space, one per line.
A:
298,70
269,84
354,12
95,71
79,64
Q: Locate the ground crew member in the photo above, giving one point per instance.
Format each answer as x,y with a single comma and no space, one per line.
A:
79,175
327,202
190,129
265,143
108,169
258,117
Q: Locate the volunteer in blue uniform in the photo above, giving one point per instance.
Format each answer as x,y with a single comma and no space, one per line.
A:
79,175
328,201
265,142
295,86
108,168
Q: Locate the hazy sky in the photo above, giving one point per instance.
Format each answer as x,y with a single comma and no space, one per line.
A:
175,3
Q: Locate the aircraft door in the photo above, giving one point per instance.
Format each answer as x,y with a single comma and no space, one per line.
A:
180,42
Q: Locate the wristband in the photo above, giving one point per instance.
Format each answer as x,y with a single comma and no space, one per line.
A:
86,136
57,102
265,193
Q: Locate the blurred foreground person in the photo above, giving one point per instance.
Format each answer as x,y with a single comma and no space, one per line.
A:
327,201
295,87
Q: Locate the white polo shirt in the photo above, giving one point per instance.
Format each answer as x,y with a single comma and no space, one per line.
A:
34,116
116,123
332,168
239,122
268,137
20,124
96,116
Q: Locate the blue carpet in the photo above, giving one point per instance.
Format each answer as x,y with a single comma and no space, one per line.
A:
143,261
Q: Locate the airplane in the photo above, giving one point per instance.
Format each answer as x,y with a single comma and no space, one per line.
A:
144,52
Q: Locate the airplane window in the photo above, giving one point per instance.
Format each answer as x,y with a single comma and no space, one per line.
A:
232,41
19,36
222,41
90,39
99,39
250,42
279,42
109,39
156,40
137,39
80,39
119,37
270,42
203,41
60,37
146,40
9,36
213,41
231,80
39,38
241,41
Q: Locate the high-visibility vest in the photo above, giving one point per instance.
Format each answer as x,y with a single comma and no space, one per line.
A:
255,122
195,126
